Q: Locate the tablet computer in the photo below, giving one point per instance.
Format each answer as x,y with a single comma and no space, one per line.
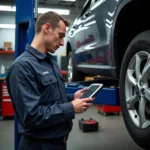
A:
92,90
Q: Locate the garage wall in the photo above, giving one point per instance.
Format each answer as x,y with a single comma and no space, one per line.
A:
7,34
7,17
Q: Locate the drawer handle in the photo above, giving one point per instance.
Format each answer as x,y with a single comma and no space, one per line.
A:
6,100
5,95
4,87
5,90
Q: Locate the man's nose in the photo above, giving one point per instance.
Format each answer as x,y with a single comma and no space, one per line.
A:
62,42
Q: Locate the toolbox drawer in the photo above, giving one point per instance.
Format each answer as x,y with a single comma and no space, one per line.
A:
7,109
6,104
4,91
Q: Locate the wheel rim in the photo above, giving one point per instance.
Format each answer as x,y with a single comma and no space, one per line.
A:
70,70
137,89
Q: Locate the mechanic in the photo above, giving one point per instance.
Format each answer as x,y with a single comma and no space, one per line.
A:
37,89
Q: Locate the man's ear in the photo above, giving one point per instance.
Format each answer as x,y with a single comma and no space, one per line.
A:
47,27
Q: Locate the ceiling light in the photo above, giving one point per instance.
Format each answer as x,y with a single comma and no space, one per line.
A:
40,10
59,11
70,0
7,8
10,26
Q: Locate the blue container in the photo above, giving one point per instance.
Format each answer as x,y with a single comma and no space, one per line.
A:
106,96
2,75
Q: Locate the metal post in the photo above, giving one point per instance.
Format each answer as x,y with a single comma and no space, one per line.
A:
25,29
36,8
16,133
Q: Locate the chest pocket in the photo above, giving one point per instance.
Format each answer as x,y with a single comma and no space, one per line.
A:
48,80
48,89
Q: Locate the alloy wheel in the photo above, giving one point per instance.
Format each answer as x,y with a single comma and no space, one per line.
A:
137,89
70,70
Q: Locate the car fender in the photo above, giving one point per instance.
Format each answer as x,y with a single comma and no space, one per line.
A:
122,4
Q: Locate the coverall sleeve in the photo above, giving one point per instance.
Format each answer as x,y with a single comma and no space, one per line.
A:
70,97
24,92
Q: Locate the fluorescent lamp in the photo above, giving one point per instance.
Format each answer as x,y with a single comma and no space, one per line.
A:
59,11
10,26
69,0
7,8
40,10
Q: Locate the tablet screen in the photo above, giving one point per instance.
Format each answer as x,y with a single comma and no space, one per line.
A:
92,90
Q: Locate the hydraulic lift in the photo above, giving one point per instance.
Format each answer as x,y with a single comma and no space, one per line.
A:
25,20
107,100
26,14
107,96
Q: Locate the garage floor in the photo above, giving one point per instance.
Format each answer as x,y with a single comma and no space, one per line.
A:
112,134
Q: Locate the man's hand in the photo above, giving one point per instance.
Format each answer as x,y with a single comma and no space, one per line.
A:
80,105
79,93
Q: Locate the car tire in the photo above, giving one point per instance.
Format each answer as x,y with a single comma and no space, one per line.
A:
72,73
132,83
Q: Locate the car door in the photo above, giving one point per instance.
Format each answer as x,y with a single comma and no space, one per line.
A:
78,32
95,50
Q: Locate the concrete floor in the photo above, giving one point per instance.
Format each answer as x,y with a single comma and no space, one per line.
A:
112,134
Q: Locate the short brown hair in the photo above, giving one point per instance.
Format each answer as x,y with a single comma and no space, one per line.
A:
49,17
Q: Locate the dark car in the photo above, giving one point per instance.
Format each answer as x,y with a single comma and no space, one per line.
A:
112,38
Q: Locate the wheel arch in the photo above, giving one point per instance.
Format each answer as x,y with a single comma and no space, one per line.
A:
128,22
69,49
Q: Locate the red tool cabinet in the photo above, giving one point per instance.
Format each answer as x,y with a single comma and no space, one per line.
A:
107,109
6,104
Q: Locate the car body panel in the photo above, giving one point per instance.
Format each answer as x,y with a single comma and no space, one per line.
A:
119,7
92,37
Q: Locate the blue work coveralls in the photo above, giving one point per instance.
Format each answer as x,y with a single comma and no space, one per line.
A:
37,91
